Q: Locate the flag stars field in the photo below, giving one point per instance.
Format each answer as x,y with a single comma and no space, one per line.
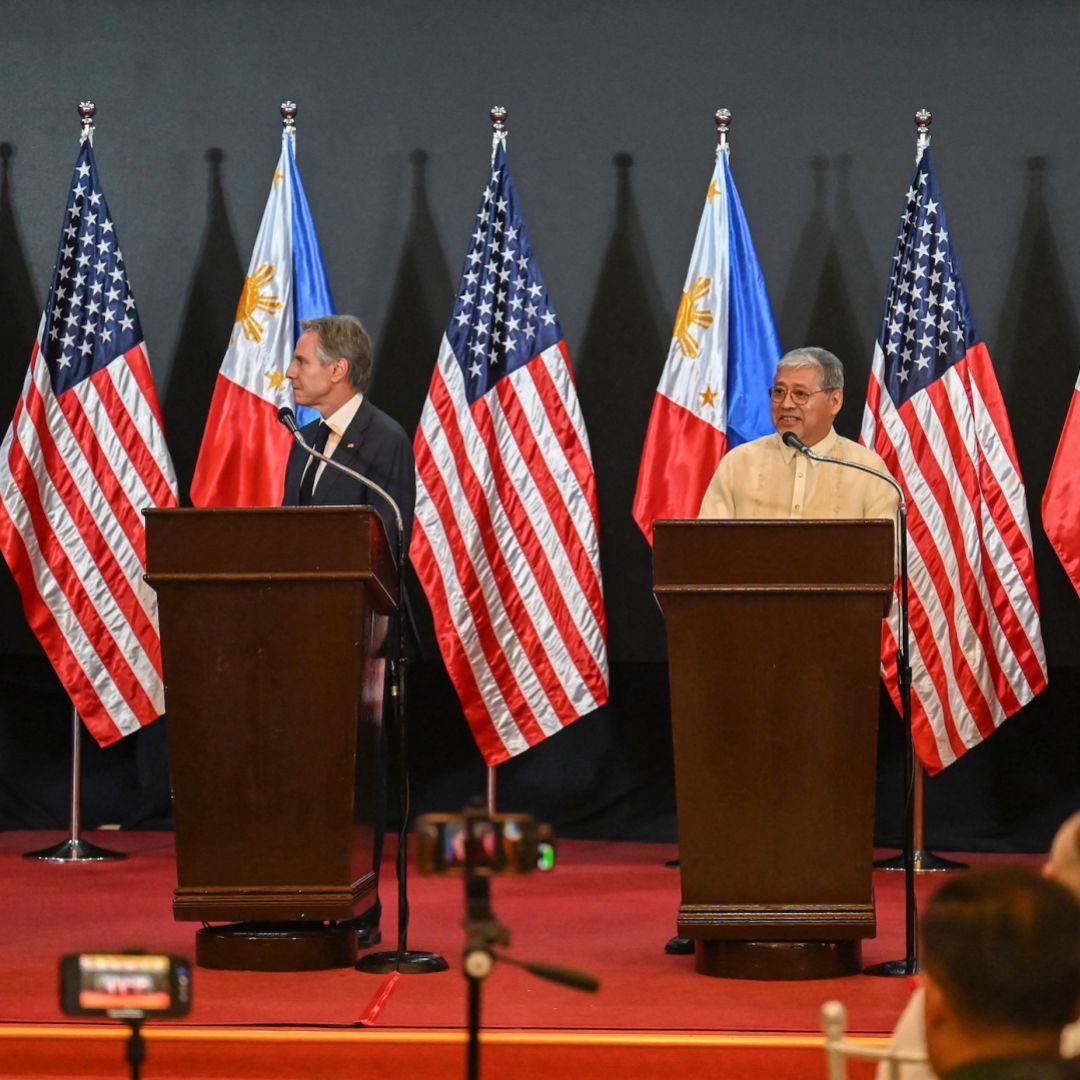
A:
504,325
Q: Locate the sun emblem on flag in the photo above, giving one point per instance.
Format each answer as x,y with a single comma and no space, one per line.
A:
252,300
691,315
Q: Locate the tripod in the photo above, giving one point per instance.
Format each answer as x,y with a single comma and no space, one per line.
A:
483,932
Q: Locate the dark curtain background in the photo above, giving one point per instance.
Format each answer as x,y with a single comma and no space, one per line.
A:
611,105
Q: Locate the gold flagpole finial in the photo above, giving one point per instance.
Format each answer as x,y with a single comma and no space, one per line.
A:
86,115
723,126
923,119
288,117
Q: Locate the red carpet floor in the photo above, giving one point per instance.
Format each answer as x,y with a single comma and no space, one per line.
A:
607,908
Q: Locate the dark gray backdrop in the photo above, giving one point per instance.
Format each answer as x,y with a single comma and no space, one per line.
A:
611,142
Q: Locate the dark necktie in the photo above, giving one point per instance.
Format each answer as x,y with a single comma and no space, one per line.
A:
307,483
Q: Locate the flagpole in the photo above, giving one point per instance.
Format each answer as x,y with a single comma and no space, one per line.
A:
678,945
925,861
75,849
498,115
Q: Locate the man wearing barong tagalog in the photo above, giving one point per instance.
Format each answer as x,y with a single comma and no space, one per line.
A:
767,479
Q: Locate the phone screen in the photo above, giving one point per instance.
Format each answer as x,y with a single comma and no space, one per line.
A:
125,984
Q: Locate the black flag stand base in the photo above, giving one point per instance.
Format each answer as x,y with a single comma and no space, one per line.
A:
407,962
926,862
74,849
893,969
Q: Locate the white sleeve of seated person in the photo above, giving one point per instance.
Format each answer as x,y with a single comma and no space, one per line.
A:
909,1038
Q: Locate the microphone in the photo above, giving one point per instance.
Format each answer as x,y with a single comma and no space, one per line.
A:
789,438
287,417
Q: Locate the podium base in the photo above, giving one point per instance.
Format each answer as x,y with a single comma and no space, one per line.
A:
73,851
777,960
409,962
291,946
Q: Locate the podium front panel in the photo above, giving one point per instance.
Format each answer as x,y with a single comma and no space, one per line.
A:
273,631
774,642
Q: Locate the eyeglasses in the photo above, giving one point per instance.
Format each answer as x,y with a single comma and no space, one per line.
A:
798,394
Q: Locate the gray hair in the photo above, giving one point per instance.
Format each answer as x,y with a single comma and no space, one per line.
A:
832,371
343,337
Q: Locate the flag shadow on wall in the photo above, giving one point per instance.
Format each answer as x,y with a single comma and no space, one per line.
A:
826,306
622,353
1039,340
420,304
619,760
207,322
21,314
444,765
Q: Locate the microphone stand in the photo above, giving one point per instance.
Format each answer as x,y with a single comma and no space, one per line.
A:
402,960
910,964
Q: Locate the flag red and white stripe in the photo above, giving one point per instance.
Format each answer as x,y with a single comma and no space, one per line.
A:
934,412
506,542
1061,499
83,457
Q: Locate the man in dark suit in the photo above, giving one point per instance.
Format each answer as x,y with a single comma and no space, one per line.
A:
330,372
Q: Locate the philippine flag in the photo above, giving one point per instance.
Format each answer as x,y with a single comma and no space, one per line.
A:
244,447
713,392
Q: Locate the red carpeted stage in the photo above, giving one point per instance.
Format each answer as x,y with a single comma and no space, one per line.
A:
607,908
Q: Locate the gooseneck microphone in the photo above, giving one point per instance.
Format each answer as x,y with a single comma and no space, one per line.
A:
910,964
789,438
287,417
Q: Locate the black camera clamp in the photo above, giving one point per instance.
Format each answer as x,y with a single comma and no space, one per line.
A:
483,932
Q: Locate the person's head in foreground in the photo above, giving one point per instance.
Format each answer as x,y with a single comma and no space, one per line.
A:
1001,966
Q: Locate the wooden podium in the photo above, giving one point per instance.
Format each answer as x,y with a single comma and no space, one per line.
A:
273,624
774,646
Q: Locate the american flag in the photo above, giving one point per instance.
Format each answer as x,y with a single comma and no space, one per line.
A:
83,456
935,414
506,541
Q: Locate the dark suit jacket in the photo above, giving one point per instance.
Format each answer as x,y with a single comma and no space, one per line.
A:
374,445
